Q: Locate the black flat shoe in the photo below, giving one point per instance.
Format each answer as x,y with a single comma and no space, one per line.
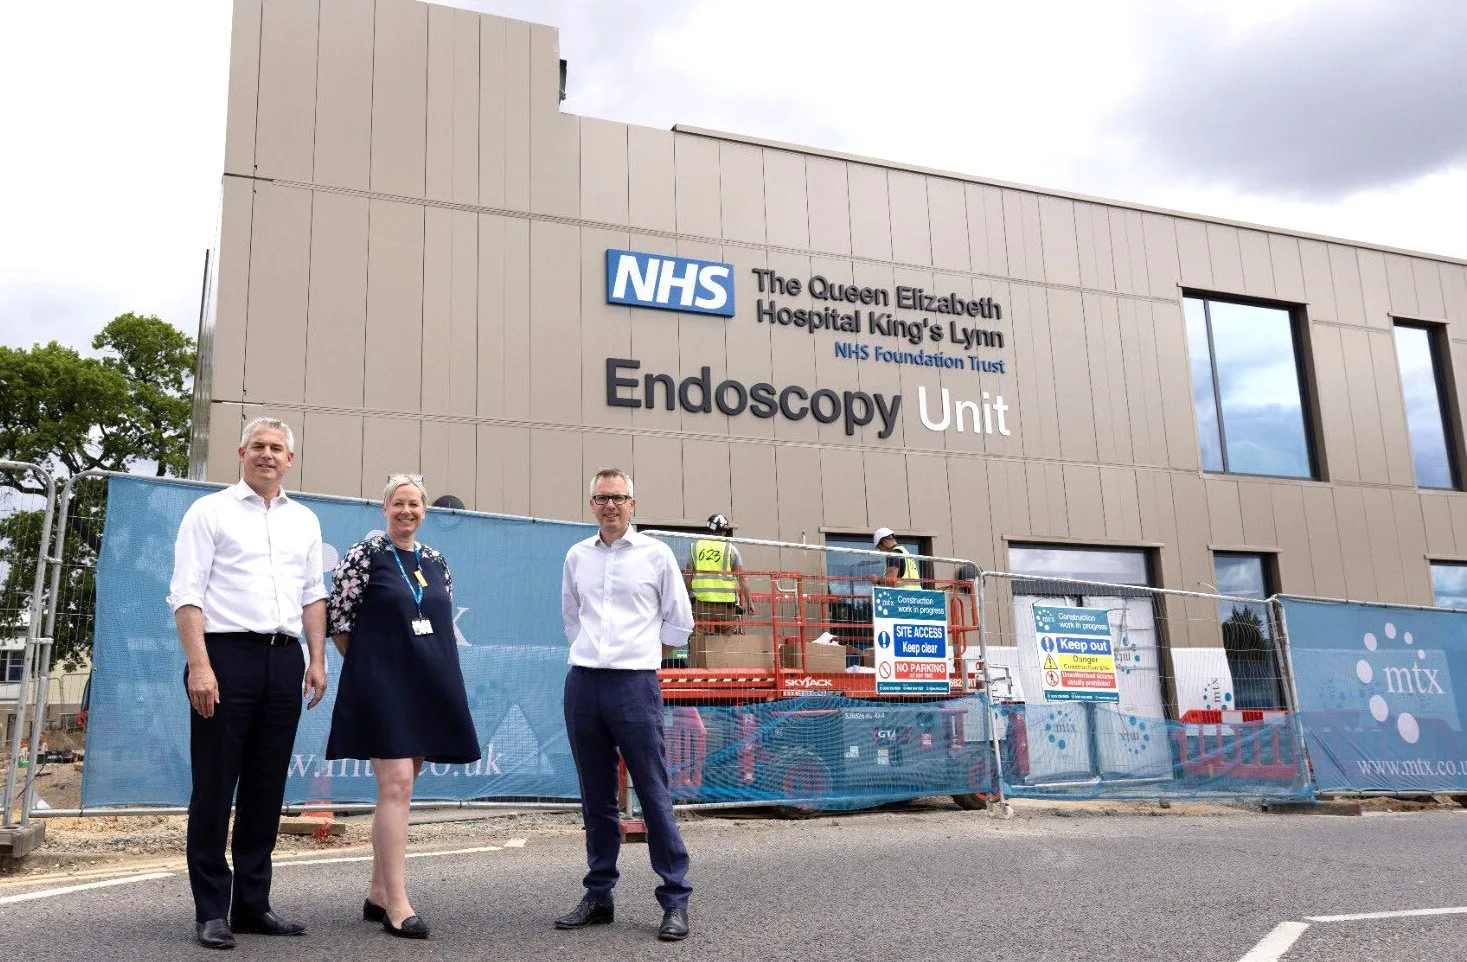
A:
412,927
588,912
372,912
266,923
214,934
674,925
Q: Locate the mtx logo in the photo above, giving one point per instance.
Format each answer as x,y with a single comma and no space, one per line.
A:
671,283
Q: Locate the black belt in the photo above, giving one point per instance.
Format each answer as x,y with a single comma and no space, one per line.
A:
278,640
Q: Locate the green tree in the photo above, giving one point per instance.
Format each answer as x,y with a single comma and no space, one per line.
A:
123,410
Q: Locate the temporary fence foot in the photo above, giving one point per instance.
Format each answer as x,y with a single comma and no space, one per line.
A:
1313,808
633,830
18,841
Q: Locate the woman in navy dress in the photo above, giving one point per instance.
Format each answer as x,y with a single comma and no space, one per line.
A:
401,696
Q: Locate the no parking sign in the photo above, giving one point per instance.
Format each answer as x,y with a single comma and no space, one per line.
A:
910,628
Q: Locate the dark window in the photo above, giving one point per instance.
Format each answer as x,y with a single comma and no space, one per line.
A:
849,582
851,574
1449,584
1248,388
11,662
1247,633
1419,354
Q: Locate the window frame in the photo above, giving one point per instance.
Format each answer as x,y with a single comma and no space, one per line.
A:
917,544
1438,347
1268,568
1303,371
12,660
1431,565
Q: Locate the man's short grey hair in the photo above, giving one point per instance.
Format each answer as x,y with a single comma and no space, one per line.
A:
395,481
610,473
274,424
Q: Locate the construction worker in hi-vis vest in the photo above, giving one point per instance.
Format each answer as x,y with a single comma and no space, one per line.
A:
901,567
715,580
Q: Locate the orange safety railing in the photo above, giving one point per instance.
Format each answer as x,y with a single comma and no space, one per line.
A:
771,651
1243,743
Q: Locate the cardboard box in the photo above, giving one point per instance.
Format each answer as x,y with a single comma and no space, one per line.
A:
860,656
819,659
731,651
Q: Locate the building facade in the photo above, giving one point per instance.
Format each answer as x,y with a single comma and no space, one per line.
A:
426,265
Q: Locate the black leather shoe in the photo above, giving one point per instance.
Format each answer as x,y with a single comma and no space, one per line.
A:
412,927
266,923
372,912
215,934
588,912
674,925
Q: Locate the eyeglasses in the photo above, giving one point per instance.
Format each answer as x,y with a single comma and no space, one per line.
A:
616,499
406,478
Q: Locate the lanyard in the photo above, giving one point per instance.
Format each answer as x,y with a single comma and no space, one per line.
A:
416,589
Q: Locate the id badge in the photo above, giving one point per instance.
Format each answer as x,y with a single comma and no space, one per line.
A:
422,626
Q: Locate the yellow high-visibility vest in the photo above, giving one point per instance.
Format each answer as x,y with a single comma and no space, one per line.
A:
713,578
909,567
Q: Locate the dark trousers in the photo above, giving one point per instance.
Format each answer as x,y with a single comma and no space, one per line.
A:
609,711
245,749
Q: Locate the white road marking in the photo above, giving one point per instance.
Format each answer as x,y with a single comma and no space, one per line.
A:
515,843
1406,913
367,858
67,890
1285,934
1276,943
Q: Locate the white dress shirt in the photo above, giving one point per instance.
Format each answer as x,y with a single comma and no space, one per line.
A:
621,603
247,568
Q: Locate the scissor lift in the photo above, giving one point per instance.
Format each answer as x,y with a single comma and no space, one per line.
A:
889,744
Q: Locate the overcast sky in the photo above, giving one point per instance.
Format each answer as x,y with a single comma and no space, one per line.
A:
1338,117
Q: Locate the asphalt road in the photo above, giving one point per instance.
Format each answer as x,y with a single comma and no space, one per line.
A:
920,884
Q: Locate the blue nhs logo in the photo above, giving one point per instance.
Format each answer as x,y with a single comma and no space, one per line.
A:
671,283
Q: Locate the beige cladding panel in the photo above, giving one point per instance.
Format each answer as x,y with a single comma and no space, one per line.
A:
1410,530
231,321
244,88
343,104
275,346
741,192
707,478
450,459
604,178
335,343
389,446
334,445
1436,514
786,210
286,118
394,310
399,98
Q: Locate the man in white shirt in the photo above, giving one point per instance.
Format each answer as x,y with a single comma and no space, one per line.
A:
622,598
246,583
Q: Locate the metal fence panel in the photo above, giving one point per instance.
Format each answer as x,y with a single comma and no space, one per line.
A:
1380,695
25,534
1120,691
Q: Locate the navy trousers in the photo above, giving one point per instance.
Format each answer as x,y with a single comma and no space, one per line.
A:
608,711
244,751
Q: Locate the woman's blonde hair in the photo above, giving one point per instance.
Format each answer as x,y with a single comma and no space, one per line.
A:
395,481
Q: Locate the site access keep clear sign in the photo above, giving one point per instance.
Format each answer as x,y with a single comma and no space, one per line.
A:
910,628
1076,661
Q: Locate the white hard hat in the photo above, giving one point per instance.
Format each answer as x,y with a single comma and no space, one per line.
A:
880,534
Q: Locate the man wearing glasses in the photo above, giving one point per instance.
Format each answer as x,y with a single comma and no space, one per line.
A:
622,599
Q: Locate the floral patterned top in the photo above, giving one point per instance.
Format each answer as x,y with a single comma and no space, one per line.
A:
349,580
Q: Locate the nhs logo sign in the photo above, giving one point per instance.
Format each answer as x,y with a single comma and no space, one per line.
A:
671,283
